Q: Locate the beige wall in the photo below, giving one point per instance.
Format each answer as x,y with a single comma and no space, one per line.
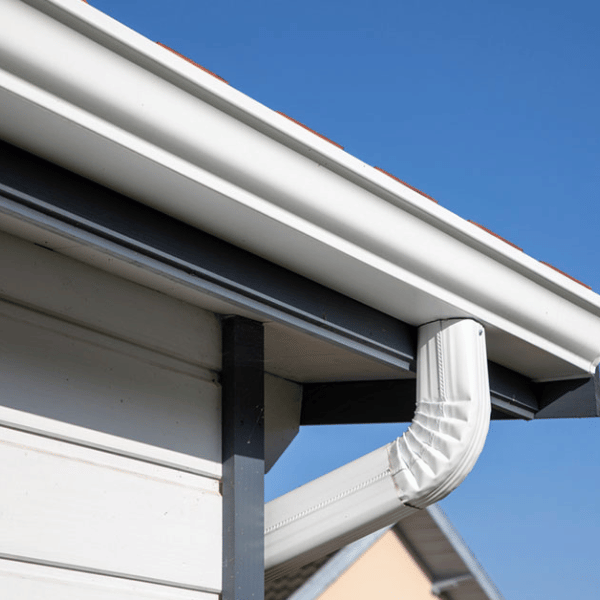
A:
385,572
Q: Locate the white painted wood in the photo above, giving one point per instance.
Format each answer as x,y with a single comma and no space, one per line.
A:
106,393
110,435
75,507
24,581
78,293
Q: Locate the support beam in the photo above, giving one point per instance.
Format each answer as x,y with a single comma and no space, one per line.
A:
355,402
393,401
568,399
243,459
513,395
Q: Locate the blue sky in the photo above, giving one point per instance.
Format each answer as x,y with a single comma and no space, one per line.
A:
492,109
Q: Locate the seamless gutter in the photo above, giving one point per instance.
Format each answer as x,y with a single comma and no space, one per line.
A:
304,206
142,51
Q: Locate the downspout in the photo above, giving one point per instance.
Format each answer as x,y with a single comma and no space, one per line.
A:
423,466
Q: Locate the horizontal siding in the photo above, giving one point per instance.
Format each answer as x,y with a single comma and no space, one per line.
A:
153,406
25,581
77,293
110,435
72,506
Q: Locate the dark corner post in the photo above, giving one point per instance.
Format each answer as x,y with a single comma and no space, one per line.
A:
243,459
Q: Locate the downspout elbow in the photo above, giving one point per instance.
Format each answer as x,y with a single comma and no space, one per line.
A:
423,466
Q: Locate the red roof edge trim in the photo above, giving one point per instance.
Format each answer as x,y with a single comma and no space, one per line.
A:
191,62
309,129
496,235
414,189
567,275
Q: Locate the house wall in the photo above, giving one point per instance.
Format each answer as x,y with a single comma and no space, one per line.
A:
110,435
386,571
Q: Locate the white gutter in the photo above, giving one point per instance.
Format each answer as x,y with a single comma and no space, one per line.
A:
430,460
84,91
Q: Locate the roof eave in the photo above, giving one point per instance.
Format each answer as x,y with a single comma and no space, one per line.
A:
133,116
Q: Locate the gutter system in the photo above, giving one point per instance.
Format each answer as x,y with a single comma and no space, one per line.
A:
430,460
131,115
86,93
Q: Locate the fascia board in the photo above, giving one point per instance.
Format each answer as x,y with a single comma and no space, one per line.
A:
117,108
464,553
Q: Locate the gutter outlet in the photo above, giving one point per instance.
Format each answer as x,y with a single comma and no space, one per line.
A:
420,468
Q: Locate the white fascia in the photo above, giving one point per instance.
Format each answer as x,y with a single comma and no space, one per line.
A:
82,90
430,460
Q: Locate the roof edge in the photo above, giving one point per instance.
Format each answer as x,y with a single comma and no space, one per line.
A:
465,553
268,184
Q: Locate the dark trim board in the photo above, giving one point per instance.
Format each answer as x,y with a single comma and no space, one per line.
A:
572,398
393,401
356,402
57,200
242,380
35,189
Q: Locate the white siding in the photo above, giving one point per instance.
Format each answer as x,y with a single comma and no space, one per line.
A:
71,506
103,385
77,293
110,435
24,581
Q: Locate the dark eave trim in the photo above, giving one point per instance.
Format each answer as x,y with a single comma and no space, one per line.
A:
243,442
393,401
56,199
60,201
567,399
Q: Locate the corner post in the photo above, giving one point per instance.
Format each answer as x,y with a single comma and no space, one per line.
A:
243,458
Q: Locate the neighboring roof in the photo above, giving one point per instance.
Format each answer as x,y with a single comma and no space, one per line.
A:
439,548
431,540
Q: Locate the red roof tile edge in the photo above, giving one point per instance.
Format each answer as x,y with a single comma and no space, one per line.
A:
309,129
567,275
414,189
495,235
191,61
377,168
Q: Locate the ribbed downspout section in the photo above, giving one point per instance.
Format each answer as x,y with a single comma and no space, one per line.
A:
423,466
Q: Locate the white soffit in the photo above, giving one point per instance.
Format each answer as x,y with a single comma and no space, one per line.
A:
118,109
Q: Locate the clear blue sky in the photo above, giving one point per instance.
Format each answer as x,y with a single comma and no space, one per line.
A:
492,109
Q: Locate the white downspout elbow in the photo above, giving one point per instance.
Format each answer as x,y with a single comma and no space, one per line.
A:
423,466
